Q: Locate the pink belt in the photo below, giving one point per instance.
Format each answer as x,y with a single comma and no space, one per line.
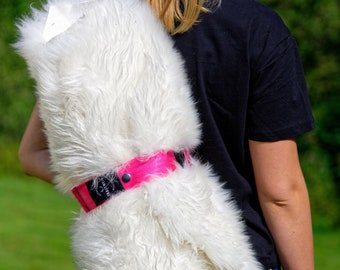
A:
137,171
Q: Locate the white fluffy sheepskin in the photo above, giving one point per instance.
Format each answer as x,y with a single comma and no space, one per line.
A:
112,87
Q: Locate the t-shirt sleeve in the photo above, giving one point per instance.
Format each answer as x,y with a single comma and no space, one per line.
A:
279,106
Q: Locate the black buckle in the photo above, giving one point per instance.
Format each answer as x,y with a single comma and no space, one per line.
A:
180,157
104,187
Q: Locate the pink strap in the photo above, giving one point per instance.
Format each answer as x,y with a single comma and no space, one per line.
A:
130,175
141,169
82,194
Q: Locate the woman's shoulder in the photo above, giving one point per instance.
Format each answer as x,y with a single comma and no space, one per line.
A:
250,22
248,13
251,8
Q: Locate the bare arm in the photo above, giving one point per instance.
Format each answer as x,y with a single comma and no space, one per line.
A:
284,200
33,151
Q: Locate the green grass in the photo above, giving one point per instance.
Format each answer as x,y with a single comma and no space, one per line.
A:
34,225
35,220
327,249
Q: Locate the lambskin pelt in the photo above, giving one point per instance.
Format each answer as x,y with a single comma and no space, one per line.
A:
111,87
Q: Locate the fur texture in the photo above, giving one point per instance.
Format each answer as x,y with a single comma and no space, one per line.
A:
112,87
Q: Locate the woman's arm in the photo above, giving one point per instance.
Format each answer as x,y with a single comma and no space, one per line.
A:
284,200
33,151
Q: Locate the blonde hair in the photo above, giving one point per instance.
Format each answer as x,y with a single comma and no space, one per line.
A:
178,16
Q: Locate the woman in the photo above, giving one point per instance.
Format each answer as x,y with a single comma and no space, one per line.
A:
248,82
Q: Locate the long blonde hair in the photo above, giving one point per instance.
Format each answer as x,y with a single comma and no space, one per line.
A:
178,16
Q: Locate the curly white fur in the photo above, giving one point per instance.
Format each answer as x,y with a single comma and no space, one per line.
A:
112,87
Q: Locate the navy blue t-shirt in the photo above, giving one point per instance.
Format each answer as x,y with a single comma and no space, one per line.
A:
248,82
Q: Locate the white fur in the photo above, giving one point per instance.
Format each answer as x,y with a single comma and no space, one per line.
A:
110,88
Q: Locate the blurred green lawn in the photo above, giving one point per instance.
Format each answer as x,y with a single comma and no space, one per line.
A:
35,221
34,225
